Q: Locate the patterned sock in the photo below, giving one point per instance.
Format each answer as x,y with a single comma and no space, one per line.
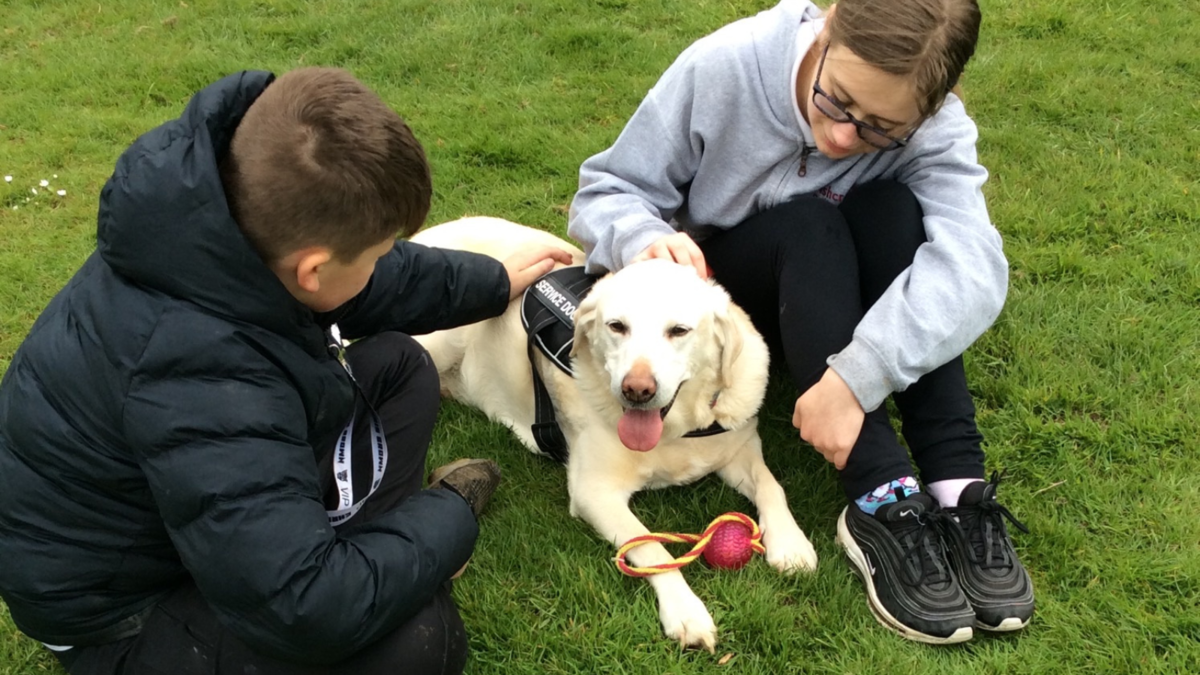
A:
886,494
947,492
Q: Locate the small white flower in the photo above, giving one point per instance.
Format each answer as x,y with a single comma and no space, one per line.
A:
44,183
15,208
8,179
33,190
55,176
62,193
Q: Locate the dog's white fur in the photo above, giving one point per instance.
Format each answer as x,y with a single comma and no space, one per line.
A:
625,326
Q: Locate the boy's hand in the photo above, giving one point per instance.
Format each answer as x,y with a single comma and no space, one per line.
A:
525,267
678,247
830,418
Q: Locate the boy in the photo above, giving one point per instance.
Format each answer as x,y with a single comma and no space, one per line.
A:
194,475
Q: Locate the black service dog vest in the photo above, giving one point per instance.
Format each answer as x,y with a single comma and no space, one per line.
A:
548,314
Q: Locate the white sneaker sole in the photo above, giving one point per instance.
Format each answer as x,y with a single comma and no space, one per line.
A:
1006,626
859,560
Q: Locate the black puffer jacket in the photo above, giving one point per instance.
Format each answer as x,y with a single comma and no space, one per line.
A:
157,420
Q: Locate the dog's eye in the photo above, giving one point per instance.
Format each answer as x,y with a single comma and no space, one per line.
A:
678,331
617,327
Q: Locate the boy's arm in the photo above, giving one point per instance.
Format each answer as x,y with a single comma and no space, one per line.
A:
417,289
225,452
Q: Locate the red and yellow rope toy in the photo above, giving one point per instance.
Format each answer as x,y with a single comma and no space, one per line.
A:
727,543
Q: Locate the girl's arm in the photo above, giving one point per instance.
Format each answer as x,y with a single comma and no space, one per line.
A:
629,192
958,281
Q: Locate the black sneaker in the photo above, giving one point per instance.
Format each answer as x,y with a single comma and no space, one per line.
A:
910,587
978,548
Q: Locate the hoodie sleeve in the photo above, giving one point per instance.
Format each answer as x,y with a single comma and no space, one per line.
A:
417,289
957,283
224,450
629,192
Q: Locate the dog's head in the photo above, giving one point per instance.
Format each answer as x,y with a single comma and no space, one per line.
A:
654,338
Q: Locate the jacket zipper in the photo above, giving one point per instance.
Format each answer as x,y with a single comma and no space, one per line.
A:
804,153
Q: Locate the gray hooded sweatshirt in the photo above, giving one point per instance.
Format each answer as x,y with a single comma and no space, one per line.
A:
720,138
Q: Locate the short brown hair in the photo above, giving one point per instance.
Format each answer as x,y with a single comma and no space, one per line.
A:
928,40
320,160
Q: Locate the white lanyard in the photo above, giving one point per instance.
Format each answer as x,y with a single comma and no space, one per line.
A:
342,465
343,471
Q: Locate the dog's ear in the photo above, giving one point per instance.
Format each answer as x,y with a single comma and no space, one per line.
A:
585,318
729,337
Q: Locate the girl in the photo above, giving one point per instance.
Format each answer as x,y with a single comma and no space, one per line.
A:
823,171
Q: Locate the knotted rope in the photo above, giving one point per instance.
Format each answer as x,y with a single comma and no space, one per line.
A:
701,542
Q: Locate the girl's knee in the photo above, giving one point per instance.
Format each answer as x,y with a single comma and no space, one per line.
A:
885,208
806,223
890,192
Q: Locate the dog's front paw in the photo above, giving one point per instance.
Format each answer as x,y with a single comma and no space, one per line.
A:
686,619
789,551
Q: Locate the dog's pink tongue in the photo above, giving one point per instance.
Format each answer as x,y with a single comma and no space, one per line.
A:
640,429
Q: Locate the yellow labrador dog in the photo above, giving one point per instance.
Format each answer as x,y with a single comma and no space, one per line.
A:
657,353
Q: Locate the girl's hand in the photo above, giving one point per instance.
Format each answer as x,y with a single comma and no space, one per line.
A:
830,418
678,247
525,267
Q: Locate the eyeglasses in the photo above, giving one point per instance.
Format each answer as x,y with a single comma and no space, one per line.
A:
834,110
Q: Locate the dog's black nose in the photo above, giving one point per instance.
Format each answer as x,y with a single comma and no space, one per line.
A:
639,386
635,395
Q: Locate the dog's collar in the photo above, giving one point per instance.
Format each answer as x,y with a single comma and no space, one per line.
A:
712,429
667,408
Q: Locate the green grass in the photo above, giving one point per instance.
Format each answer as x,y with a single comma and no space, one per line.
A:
1088,386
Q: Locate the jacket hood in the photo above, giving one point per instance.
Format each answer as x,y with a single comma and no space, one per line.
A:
165,224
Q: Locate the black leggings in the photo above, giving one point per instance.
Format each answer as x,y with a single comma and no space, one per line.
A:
806,271
182,635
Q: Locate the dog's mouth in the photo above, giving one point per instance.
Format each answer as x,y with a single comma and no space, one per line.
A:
640,429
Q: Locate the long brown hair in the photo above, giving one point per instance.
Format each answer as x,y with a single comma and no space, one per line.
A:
927,40
320,160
